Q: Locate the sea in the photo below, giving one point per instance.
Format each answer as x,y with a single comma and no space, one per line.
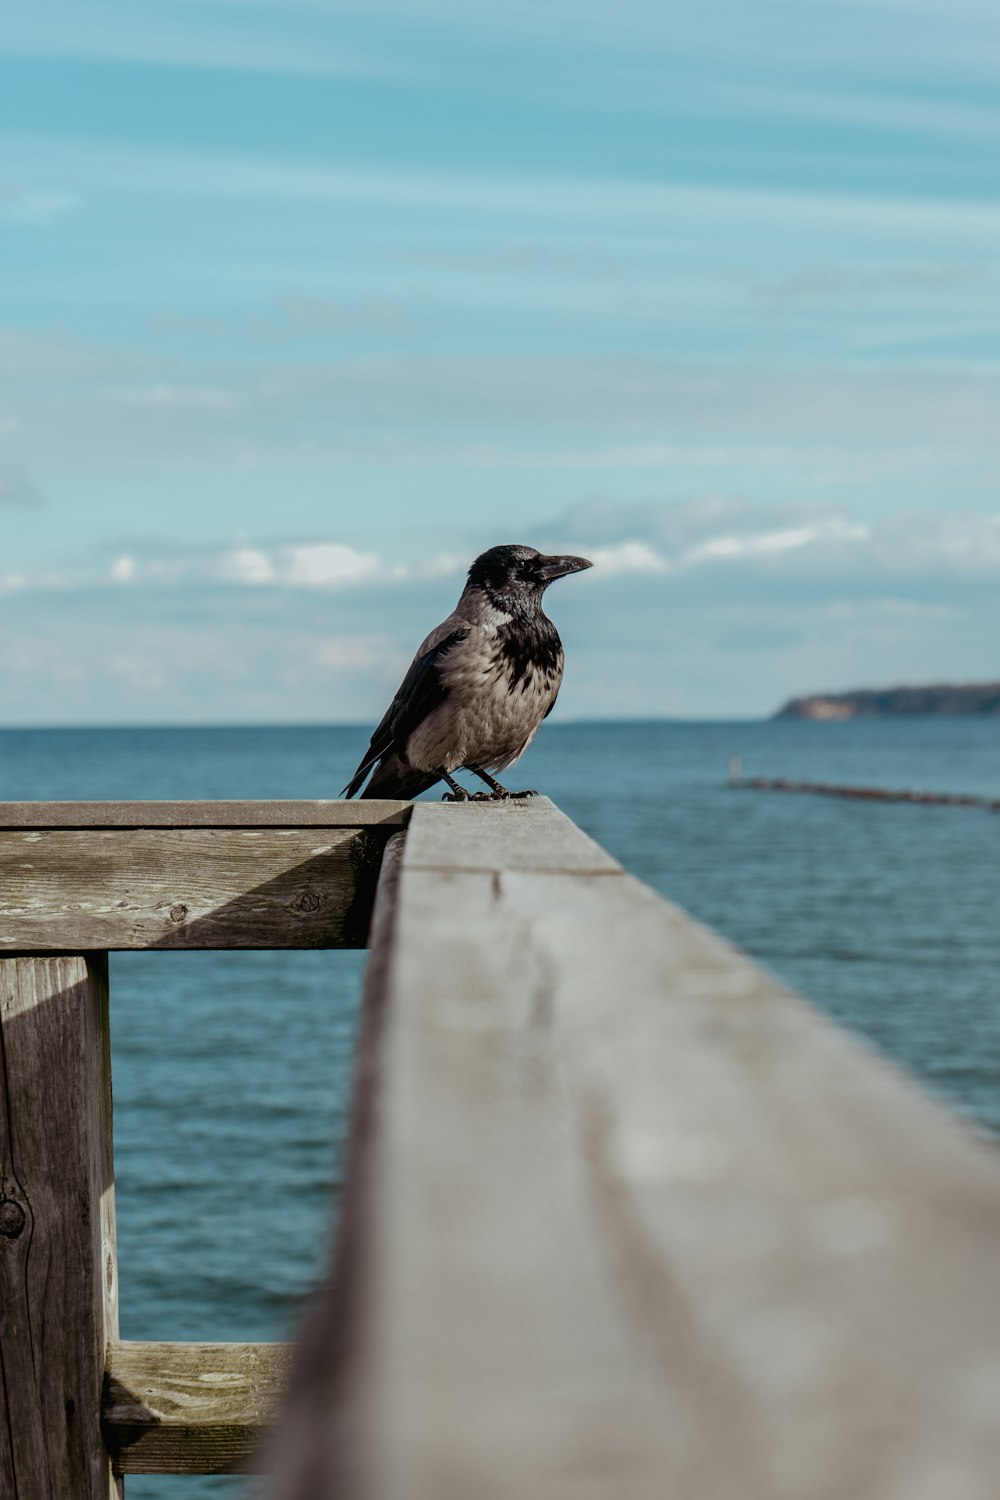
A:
231,1071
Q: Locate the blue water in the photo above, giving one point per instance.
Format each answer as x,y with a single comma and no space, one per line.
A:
231,1071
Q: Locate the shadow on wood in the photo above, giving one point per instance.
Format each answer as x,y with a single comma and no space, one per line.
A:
191,1408
79,889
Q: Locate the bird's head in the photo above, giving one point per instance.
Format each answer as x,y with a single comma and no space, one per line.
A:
513,575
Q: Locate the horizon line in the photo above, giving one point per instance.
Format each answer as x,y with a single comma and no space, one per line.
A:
362,724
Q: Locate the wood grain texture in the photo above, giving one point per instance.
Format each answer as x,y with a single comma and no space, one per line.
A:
528,835
335,813
58,1277
323,1366
640,1223
174,1408
123,888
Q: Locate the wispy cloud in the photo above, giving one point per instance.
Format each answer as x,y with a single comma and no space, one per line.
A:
33,206
717,532
203,36
283,357
682,599
784,33
158,172
293,318
172,398
921,116
761,544
319,566
336,654
627,557
654,544
85,408
312,565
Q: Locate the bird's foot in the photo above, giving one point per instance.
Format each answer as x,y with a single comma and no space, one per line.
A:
501,795
496,793
459,796
521,795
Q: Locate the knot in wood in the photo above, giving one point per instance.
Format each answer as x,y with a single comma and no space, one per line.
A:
308,901
178,912
12,1219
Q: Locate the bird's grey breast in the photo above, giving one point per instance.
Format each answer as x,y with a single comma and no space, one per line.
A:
501,681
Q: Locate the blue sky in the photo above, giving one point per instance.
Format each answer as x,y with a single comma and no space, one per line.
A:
304,304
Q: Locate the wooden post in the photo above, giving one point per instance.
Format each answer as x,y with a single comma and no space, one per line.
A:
58,1273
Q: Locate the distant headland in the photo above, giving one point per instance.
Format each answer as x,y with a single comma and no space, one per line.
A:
978,698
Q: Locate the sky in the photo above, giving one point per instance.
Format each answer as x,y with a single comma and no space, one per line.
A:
303,303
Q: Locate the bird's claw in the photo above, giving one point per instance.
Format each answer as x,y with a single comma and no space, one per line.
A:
501,795
498,794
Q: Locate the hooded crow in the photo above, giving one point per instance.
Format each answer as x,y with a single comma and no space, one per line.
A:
478,687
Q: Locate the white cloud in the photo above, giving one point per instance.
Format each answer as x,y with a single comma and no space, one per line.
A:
773,543
326,565
627,557
714,535
246,565
312,565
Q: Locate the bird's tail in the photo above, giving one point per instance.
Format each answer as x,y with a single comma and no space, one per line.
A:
393,778
353,787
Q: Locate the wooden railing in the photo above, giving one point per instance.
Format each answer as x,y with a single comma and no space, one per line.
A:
623,1217
78,880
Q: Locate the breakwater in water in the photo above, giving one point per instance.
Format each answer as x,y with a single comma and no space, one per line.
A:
864,793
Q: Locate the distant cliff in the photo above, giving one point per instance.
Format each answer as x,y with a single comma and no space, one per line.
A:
982,698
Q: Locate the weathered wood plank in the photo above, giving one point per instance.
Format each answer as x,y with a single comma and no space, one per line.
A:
335,813
323,1355
638,1222
187,888
528,835
58,1277
191,1408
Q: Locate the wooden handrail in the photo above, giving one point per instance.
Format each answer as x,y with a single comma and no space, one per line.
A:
628,1219
120,875
623,1216
78,1406
186,1408
235,814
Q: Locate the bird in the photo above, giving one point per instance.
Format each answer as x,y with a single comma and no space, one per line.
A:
479,686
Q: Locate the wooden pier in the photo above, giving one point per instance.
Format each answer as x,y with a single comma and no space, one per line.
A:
624,1218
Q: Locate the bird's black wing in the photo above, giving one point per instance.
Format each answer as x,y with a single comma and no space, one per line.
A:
421,690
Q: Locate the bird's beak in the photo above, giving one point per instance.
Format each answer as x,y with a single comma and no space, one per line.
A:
557,567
